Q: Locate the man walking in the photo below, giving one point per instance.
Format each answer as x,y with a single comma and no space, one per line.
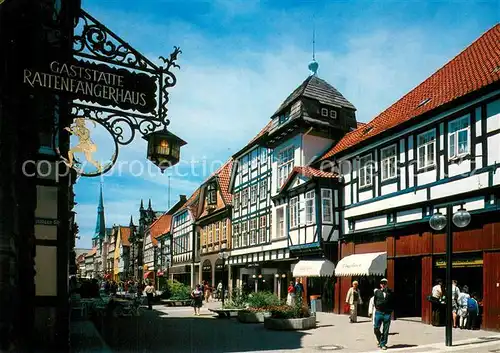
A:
383,299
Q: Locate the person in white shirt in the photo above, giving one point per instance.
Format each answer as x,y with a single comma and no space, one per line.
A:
371,307
455,292
150,290
353,298
437,294
462,306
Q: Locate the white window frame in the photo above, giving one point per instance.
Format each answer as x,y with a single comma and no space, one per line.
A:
454,136
324,111
217,232
263,189
262,229
294,212
224,230
263,155
210,234
280,222
333,114
244,234
426,146
236,200
310,207
253,228
327,204
244,197
236,236
385,163
285,166
253,193
365,170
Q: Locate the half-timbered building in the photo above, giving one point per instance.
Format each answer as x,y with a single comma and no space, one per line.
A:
253,255
185,259
305,210
214,225
436,146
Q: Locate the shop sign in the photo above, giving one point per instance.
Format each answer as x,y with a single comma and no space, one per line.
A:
461,263
47,221
253,265
97,83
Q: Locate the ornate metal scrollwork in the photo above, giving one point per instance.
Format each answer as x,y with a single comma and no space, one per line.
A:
95,42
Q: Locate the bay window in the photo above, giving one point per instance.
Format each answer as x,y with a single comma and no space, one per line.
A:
326,206
426,149
310,214
294,212
285,164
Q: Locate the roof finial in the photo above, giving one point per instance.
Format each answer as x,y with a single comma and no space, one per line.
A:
313,65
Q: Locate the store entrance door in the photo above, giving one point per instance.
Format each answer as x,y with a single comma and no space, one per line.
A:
408,287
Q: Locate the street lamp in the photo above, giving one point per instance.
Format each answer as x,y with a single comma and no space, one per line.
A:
223,255
163,148
438,221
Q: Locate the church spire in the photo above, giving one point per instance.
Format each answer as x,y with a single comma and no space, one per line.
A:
100,227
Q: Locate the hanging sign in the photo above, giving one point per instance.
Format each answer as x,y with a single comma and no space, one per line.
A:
98,83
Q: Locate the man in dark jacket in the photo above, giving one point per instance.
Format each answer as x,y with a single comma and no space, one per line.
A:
383,300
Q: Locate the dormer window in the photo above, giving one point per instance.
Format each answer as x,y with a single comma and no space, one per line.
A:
324,112
211,194
333,114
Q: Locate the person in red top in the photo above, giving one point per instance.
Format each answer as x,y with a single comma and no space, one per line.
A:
290,299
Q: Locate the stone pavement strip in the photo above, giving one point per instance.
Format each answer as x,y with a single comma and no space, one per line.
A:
177,330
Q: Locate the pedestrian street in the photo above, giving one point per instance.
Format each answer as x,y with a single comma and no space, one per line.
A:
177,329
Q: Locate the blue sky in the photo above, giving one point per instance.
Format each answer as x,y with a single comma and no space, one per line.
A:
242,58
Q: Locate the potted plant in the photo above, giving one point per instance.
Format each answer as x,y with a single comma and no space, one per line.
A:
286,317
258,307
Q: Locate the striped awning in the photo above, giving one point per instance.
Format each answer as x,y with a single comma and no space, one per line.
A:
362,265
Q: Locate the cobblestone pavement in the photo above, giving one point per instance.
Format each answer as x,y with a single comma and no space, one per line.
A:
166,329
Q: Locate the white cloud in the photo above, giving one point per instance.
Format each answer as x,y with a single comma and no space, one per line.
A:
225,94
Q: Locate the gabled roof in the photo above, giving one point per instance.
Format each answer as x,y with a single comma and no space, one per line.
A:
475,67
191,204
91,252
308,172
124,234
318,89
159,227
251,143
224,177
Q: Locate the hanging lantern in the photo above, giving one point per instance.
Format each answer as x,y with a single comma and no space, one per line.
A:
437,221
164,148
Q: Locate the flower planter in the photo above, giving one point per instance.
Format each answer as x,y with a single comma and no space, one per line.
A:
305,323
253,316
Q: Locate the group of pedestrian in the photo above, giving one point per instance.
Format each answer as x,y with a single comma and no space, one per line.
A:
465,306
295,292
380,309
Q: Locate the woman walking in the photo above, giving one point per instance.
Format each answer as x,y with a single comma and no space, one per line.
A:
353,298
290,298
197,299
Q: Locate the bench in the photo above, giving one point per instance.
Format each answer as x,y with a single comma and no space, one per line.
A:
169,302
226,313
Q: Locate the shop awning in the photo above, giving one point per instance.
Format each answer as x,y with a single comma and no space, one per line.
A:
148,274
362,265
313,268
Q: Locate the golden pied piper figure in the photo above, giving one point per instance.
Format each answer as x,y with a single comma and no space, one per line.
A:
85,144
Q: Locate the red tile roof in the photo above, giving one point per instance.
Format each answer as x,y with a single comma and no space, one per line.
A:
159,227
224,176
308,172
474,68
92,252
